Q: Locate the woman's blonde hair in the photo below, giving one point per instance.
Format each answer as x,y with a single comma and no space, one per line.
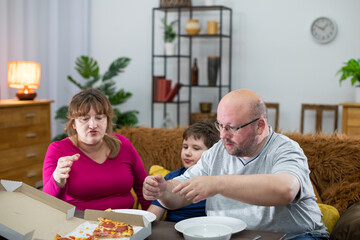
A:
80,105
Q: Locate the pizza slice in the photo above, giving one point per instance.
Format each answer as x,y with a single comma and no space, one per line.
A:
108,228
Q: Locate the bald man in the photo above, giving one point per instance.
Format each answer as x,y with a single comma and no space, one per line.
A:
253,174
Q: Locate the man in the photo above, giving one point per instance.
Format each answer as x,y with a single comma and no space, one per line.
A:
253,174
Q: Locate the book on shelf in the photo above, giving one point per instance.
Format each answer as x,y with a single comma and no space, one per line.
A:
155,86
163,88
173,92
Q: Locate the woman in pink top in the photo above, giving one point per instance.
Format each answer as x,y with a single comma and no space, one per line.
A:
93,168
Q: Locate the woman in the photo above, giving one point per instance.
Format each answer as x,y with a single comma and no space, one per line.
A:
93,168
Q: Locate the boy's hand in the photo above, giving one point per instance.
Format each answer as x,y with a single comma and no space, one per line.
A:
154,187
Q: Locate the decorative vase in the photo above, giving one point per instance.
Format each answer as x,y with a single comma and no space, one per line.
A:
170,48
357,94
193,27
205,107
212,27
213,65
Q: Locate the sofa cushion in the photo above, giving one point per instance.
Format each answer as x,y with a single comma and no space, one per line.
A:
330,216
156,145
348,225
341,195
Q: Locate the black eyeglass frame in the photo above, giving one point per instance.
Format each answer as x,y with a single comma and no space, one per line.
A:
234,129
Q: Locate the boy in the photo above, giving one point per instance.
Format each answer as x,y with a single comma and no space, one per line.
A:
198,138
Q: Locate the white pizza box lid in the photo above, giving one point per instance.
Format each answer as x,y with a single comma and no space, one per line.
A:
27,213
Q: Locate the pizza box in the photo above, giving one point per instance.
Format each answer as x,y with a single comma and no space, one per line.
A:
27,213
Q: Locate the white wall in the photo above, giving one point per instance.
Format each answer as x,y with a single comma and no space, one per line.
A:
273,52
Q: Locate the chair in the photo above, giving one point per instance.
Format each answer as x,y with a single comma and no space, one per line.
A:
274,106
319,108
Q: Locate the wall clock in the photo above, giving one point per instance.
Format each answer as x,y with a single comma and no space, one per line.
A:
323,30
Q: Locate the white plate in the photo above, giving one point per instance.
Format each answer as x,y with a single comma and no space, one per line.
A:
237,225
150,216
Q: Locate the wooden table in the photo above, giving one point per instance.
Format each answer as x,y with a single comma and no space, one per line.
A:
166,230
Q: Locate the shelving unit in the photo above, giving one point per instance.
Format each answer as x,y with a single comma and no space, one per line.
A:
189,47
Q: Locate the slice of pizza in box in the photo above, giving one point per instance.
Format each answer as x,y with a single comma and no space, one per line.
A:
113,225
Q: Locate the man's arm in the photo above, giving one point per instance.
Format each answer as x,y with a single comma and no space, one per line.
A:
157,188
256,189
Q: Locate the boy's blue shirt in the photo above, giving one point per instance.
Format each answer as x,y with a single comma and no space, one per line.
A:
192,210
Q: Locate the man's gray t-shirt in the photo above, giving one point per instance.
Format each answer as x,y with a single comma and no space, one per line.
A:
278,155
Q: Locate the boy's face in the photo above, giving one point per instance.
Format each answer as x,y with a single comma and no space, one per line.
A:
191,151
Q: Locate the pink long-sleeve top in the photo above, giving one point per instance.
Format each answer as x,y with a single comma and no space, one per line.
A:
97,186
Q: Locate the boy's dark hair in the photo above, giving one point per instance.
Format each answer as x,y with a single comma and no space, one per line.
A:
205,130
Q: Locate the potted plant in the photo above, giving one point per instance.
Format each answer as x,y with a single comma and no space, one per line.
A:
169,36
89,69
351,69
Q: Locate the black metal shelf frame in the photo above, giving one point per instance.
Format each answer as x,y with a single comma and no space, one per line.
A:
178,56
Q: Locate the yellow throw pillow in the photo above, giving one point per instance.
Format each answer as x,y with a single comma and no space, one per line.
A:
137,204
330,215
156,169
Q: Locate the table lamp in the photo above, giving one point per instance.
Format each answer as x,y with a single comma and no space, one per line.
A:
26,76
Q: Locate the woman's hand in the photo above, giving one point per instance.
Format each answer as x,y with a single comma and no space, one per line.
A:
63,168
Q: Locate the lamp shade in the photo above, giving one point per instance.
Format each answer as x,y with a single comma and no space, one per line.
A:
24,75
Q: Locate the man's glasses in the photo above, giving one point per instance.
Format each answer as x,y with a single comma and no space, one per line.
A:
232,130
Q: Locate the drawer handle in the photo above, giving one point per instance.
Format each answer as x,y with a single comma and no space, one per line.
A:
31,135
30,175
30,155
30,115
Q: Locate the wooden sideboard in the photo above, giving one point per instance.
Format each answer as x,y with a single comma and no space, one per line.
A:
24,137
351,119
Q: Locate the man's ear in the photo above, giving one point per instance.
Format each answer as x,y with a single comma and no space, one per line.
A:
260,127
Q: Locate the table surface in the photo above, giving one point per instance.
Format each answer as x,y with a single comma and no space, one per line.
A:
166,230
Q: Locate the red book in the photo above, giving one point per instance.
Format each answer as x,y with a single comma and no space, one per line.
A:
163,89
155,86
173,92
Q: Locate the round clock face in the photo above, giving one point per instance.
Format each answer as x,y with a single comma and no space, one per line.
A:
323,30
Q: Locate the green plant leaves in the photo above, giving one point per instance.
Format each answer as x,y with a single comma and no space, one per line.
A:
169,33
120,97
61,112
351,69
87,67
116,67
128,118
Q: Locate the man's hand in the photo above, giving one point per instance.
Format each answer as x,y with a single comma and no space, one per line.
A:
154,187
198,188
63,168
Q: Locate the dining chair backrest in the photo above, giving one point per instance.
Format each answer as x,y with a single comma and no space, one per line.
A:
319,108
274,106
